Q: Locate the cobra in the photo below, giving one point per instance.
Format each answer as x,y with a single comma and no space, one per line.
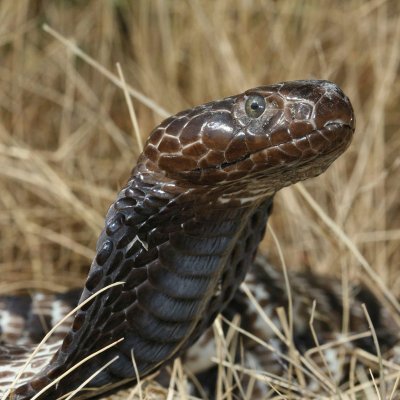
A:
184,231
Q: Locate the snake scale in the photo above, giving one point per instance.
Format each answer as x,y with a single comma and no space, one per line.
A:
183,233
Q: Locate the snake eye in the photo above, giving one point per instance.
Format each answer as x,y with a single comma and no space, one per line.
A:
255,106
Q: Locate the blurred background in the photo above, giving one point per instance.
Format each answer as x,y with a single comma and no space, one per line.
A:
67,143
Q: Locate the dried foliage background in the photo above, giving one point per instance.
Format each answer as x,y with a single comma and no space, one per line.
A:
67,143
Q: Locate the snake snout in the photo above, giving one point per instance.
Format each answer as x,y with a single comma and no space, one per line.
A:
327,101
333,107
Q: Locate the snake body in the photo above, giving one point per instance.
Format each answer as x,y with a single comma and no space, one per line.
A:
184,231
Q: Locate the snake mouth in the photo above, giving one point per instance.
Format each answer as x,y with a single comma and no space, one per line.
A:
225,165
228,164
340,125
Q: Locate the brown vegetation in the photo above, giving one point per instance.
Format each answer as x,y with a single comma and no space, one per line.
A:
67,143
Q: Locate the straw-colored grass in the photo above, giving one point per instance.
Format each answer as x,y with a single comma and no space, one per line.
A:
67,142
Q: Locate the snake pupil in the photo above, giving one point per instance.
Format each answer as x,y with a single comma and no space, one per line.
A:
255,106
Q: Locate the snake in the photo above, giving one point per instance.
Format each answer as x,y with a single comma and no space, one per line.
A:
183,233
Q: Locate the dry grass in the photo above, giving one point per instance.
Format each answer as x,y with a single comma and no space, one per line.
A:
67,143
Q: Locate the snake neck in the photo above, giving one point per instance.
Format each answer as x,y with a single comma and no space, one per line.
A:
181,257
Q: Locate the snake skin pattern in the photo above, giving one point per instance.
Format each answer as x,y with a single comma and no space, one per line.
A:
183,233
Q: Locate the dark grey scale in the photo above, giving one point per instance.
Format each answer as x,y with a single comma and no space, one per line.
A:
193,245
155,238
152,238
78,320
147,350
102,378
256,229
103,315
66,342
181,214
133,249
115,223
114,322
104,253
129,234
155,203
190,265
126,267
216,214
107,320
142,210
135,277
123,272
125,203
116,237
122,369
114,262
112,296
94,279
146,186
237,253
257,217
160,220
134,219
133,192
172,284
226,227
167,307
126,297
149,325
227,282
159,191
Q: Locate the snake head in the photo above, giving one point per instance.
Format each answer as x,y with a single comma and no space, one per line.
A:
281,134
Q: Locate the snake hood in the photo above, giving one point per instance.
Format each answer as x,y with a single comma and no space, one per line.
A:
184,231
